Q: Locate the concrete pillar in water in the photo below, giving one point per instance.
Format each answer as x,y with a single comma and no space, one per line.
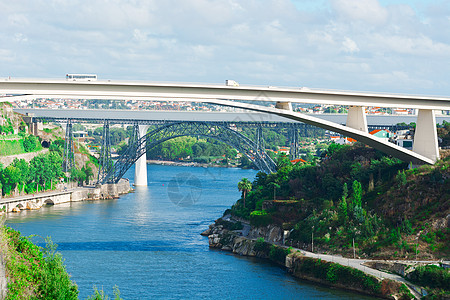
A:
140,171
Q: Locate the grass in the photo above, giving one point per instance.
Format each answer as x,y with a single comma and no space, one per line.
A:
11,147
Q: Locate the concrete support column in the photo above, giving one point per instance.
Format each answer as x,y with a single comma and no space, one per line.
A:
356,118
425,137
140,171
284,105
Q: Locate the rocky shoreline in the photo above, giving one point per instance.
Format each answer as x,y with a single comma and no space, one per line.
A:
239,237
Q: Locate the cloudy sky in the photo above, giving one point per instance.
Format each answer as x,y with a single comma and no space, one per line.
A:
376,45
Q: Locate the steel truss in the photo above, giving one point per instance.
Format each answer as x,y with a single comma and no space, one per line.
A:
106,164
293,143
198,129
69,153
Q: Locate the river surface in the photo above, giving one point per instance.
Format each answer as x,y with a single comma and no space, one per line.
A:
148,243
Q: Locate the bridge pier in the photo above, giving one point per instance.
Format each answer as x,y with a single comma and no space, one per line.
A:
425,137
140,171
284,105
356,118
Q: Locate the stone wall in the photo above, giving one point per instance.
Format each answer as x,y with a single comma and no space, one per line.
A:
7,160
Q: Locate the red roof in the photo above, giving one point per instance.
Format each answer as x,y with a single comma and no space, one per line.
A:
378,130
294,161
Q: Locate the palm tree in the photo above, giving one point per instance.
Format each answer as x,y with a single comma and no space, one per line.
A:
245,186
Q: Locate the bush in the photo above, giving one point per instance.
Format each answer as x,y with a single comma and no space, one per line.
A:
431,276
278,254
36,272
261,245
31,143
260,218
230,225
336,273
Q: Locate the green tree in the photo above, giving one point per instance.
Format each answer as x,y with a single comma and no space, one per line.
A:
357,194
10,178
342,208
24,169
30,143
88,173
245,186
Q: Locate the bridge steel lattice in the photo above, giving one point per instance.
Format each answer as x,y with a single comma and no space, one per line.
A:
215,130
105,162
69,153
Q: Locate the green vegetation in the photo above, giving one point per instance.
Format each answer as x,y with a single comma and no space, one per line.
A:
100,295
11,147
355,193
37,175
444,133
18,144
432,277
244,186
35,273
336,273
278,254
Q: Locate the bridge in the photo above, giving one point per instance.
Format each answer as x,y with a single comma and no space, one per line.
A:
425,148
225,127
171,124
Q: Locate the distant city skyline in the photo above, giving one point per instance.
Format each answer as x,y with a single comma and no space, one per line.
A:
378,45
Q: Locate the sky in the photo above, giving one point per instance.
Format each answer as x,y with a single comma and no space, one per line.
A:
400,46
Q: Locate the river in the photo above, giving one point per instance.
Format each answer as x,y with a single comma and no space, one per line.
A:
148,243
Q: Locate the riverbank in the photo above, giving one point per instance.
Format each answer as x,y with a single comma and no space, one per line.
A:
188,164
36,201
238,237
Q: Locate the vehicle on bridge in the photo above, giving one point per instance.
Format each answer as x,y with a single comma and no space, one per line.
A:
81,77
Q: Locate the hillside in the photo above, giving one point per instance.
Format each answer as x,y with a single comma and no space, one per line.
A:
32,272
357,193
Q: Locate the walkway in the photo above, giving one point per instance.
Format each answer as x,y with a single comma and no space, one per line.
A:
358,264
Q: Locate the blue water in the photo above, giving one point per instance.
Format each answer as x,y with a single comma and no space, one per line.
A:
148,243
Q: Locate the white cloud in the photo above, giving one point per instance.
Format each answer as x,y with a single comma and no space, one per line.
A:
347,44
366,11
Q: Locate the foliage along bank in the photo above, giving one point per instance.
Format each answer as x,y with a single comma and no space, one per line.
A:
223,235
355,193
33,272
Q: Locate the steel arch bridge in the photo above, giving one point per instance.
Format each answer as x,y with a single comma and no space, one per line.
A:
216,130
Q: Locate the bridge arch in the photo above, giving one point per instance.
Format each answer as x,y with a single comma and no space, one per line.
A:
218,131
49,202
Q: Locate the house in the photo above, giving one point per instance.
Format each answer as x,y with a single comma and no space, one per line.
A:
382,133
345,141
405,143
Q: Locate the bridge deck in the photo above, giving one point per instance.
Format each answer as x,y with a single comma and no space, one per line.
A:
206,116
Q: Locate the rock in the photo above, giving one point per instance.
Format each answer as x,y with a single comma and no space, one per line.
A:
270,233
227,248
207,232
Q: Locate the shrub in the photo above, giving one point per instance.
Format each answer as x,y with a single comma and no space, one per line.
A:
230,225
336,273
261,245
35,272
260,218
278,254
431,276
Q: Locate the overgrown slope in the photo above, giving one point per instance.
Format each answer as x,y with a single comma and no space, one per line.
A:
356,193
